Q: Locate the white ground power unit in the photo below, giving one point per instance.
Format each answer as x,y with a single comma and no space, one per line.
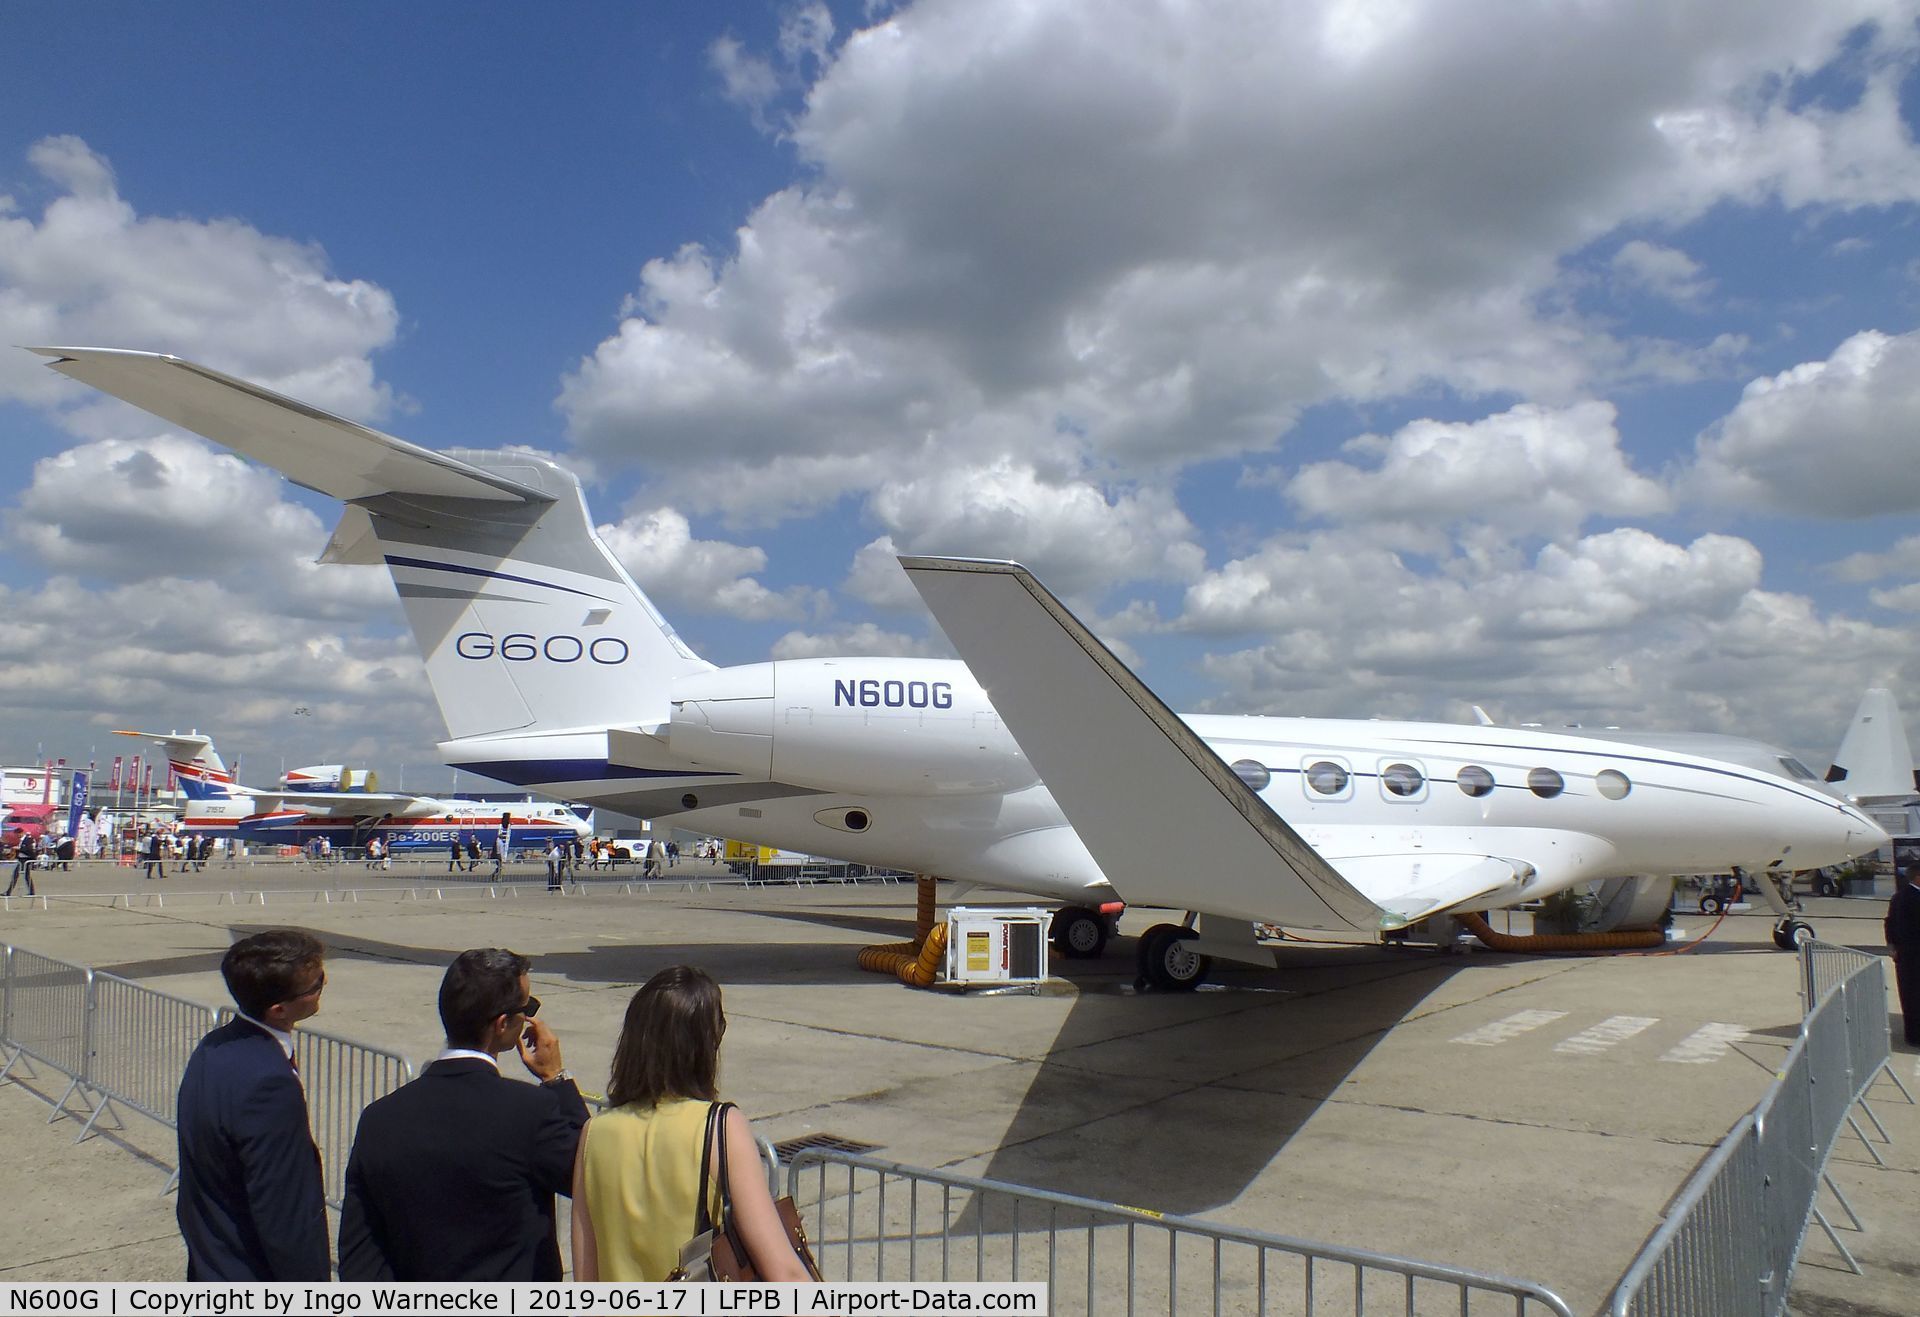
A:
997,946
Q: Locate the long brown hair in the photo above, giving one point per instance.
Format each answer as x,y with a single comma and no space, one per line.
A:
670,1041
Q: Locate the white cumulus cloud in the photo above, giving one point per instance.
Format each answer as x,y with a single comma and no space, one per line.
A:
1833,438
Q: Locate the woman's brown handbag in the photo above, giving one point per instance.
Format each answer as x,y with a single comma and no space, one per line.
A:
716,1251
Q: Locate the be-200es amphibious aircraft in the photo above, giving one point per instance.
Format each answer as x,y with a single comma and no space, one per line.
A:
554,672
346,806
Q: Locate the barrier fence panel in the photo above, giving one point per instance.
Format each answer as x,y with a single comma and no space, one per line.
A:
139,1045
46,1017
1824,966
870,1219
1789,1158
341,1078
1731,1240
1712,1250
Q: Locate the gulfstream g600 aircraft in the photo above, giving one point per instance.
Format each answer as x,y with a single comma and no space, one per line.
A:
554,672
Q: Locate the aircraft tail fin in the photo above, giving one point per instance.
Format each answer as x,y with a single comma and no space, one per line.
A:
526,620
1874,760
196,765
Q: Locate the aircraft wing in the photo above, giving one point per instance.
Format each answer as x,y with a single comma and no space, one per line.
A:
354,804
323,452
1166,819
1415,884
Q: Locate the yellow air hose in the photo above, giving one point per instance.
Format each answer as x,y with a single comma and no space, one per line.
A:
916,966
917,963
1634,940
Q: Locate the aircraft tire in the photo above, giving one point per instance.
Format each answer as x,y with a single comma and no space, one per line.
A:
1168,966
1079,933
1792,934
1710,904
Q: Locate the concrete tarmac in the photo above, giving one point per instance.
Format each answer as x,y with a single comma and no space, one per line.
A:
1527,1116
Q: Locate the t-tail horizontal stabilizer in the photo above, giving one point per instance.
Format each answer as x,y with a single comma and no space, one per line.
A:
1166,819
310,447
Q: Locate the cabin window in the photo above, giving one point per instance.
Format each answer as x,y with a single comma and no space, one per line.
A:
1474,780
1612,783
1253,773
1545,783
1402,780
1327,777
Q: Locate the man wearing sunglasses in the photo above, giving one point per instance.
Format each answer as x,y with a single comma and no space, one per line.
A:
251,1204
452,1177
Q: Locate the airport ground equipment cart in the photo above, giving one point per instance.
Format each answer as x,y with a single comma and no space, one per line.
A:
997,946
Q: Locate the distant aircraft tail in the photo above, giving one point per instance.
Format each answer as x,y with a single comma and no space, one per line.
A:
195,763
526,620
1874,761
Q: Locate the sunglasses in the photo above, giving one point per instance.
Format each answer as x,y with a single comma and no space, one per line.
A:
529,1008
307,992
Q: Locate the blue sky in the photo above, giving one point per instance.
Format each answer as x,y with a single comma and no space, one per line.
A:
1357,358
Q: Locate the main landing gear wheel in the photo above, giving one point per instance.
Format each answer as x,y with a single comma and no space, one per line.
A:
1792,934
1711,904
1167,963
1079,933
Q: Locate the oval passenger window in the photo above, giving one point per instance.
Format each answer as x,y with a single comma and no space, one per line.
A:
1613,784
1474,780
1329,779
1402,779
1545,783
1253,773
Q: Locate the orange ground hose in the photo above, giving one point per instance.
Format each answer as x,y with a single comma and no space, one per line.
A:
927,909
1632,940
915,966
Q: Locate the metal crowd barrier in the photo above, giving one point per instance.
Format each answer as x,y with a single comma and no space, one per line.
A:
870,1219
138,1047
1731,1240
46,1017
118,1042
341,1078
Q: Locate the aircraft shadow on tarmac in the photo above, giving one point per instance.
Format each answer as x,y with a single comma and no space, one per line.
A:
1175,1102
1178,1104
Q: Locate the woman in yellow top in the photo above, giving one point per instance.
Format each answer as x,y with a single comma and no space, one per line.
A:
636,1177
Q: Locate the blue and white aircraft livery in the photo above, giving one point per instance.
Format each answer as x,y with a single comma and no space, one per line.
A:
346,806
554,672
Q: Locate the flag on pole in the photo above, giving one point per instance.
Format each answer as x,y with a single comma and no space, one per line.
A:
113,783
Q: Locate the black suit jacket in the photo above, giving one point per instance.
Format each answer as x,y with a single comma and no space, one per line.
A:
1903,920
251,1203
452,1177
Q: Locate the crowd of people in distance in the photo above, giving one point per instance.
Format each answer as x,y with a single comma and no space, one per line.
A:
454,1176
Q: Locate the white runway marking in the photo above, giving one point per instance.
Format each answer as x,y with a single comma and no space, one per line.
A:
1709,1042
1500,1031
1608,1033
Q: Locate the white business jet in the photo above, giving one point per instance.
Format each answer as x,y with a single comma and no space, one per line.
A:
554,672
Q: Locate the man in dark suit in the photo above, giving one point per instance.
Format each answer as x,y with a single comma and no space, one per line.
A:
1903,939
452,1177
251,1203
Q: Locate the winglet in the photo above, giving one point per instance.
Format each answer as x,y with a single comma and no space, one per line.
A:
1168,821
317,449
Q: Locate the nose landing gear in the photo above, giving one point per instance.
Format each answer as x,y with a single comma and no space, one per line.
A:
1776,889
1792,934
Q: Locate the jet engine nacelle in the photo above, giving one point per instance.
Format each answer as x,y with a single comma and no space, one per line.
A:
330,777
812,723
